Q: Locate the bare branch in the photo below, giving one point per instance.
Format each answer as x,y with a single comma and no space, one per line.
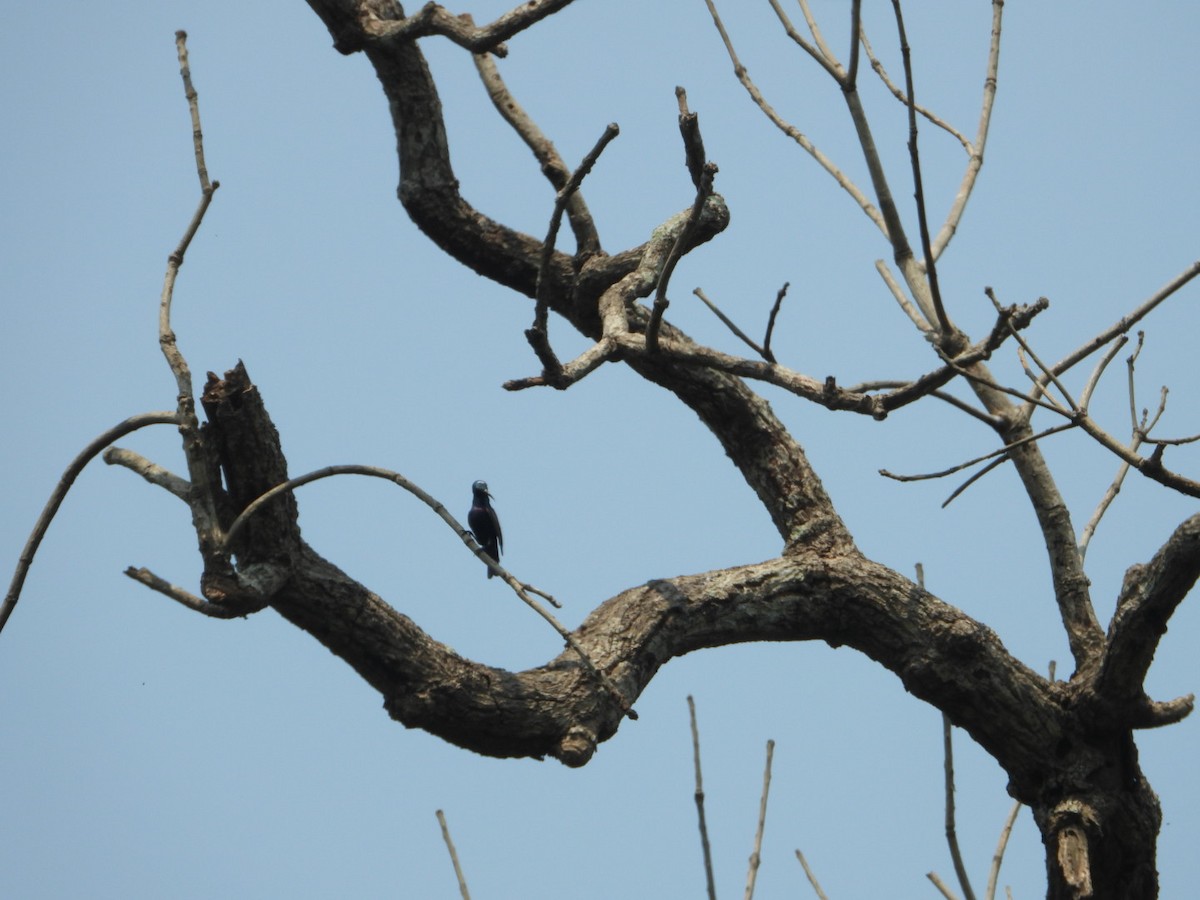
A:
942,887
152,472
975,162
202,496
756,854
1046,371
812,878
181,596
538,335
699,796
728,322
899,94
918,186
766,347
1002,452
1126,322
86,455
960,870
994,464
458,872
434,19
1148,599
682,241
855,28
871,211
1001,845
901,298
587,240
821,52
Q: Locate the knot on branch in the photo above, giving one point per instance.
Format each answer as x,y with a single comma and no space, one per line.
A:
577,746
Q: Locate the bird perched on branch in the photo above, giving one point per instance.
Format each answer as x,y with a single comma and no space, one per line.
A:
485,524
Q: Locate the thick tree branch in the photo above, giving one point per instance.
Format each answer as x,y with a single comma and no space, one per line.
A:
1147,601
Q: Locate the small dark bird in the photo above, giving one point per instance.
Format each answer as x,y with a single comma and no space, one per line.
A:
485,524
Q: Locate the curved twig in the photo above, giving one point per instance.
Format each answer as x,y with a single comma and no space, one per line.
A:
86,455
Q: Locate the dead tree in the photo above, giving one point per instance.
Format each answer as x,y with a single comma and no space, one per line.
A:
1067,746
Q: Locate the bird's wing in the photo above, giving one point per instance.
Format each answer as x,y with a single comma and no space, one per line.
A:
496,525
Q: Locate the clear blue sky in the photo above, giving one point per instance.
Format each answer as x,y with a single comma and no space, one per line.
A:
149,752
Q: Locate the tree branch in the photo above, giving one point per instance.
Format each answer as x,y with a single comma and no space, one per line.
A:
86,455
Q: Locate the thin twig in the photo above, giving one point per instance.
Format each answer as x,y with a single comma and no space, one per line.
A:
951,830
181,596
821,51
704,845
756,854
1047,372
901,298
1001,845
766,347
703,192
864,203
812,878
538,334
994,464
918,185
1002,451
151,471
898,93
728,322
458,872
587,240
86,455
941,886
975,160
1126,322
203,493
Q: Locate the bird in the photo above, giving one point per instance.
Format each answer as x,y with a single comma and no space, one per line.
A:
485,524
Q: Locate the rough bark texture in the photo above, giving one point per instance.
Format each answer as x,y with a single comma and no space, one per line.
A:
1067,747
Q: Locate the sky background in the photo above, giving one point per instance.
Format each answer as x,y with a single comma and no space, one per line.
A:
151,752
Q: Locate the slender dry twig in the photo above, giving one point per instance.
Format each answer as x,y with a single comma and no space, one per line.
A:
821,52
1001,452
899,94
86,455
151,471
587,241
766,347
941,886
1047,372
181,595
996,463
812,878
458,872
864,203
918,183
960,870
756,854
1126,322
703,192
538,335
704,845
1140,431
975,153
902,299
201,498
728,322
1001,845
